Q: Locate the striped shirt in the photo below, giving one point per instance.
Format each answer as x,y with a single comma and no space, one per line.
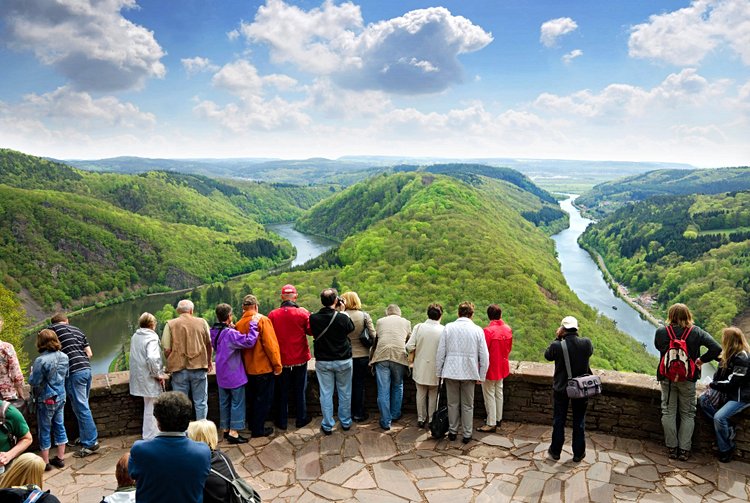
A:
73,343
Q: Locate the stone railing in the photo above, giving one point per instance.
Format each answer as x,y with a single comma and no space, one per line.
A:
629,406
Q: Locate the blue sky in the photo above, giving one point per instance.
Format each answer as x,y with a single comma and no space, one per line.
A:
616,80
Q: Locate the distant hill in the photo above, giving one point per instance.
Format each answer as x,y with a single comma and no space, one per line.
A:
609,196
692,248
413,238
77,237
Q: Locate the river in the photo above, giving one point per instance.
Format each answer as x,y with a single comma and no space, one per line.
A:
109,328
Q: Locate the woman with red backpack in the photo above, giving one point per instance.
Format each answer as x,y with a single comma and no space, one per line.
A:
679,344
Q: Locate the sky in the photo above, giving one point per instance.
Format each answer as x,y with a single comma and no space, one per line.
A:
631,80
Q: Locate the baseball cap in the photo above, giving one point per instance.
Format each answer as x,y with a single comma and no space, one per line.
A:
569,322
288,290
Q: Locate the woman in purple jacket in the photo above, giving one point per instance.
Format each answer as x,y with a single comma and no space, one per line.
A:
230,371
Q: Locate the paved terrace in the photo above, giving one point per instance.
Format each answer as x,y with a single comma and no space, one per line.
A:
405,464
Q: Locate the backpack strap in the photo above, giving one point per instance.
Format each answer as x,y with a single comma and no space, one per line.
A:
34,496
566,356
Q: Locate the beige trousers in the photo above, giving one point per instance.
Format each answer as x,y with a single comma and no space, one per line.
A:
493,401
426,401
460,405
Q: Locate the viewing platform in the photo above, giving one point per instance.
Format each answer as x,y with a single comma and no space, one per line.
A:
404,464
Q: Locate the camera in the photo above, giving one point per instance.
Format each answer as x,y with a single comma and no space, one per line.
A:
340,301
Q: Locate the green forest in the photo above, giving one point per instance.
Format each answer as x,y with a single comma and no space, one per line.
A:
78,238
608,197
416,238
693,249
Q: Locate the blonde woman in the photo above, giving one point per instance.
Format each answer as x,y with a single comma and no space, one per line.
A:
678,396
733,379
146,375
215,490
360,353
23,478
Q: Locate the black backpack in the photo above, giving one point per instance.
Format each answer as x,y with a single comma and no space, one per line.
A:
4,429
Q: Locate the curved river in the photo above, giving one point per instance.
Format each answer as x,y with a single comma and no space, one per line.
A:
109,328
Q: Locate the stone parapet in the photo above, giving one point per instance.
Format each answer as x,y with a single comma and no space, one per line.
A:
629,406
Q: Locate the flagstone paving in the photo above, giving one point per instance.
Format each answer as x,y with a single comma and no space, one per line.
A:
366,464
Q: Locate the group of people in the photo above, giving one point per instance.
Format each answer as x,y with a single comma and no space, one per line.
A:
61,372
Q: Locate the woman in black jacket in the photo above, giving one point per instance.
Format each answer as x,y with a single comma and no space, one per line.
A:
733,379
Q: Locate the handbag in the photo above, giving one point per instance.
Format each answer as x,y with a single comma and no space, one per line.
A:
713,397
439,424
584,386
238,490
364,336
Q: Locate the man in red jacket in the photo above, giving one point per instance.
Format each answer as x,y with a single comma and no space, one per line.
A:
499,339
292,326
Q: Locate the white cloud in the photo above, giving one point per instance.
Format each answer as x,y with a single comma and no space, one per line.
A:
555,28
623,100
87,41
575,53
686,36
253,113
333,102
198,65
241,78
412,54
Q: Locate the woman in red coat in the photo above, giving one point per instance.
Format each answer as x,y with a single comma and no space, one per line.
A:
499,337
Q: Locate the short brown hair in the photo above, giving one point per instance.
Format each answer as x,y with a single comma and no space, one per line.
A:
46,340
223,312
147,320
465,310
434,311
58,318
494,312
249,300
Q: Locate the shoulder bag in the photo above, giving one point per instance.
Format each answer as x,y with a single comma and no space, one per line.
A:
239,490
364,336
584,386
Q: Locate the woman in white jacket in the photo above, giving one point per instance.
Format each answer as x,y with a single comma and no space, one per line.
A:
423,343
146,376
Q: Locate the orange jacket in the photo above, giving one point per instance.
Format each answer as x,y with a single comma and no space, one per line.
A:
265,356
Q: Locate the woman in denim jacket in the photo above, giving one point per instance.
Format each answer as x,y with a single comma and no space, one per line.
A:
48,379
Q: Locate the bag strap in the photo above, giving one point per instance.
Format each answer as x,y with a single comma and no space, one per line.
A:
321,334
34,496
218,338
567,359
437,400
365,317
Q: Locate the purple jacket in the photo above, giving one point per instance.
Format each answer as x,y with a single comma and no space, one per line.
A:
230,370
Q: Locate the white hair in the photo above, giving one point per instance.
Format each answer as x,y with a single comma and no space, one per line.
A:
185,306
393,309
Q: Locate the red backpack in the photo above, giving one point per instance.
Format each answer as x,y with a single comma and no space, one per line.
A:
676,364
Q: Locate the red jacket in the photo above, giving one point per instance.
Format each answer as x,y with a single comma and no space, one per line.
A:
499,339
292,326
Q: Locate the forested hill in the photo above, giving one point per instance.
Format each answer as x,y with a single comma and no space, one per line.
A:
418,238
76,237
610,196
693,249
384,195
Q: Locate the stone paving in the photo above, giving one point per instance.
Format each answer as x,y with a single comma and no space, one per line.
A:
404,464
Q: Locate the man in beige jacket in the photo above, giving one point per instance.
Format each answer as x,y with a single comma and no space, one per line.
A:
389,359
187,346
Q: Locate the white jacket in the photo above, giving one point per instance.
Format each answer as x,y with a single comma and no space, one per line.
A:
462,353
424,341
145,363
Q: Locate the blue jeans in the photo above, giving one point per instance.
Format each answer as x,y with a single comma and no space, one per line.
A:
294,378
259,398
195,382
361,368
50,419
390,378
724,430
339,374
78,387
232,408
560,415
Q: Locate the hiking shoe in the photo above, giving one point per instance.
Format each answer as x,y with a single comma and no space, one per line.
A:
86,451
578,459
420,424
466,440
725,457
673,452
48,467
683,455
75,443
451,436
487,428
57,462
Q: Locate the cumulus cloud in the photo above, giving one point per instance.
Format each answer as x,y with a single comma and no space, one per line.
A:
555,28
575,53
198,65
87,41
621,100
412,54
241,78
686,36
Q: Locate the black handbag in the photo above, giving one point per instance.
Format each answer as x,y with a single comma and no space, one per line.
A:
364,336
439,424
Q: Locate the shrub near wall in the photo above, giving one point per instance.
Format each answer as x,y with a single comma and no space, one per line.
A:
629,406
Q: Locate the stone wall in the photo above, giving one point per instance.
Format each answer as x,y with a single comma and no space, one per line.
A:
628,407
